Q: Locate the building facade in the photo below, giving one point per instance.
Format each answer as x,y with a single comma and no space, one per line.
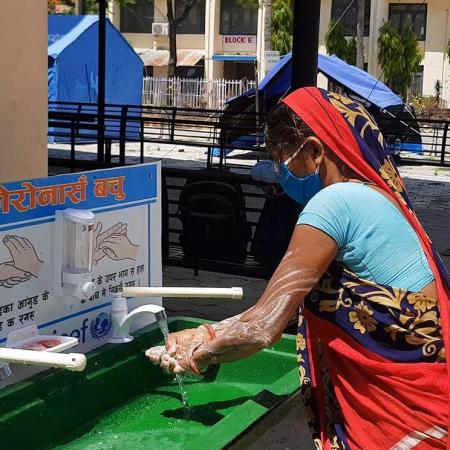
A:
222,38
217,39
431,23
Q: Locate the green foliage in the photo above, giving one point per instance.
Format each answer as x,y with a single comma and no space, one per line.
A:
399,56
248,3
448,50
61,6
89,7
338,45
282,23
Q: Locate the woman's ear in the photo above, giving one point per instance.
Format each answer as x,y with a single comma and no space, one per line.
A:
318,150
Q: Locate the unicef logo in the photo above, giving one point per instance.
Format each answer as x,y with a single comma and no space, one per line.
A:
101,325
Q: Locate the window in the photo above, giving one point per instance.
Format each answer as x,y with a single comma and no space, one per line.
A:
417,82
237,19
148,71
137,17
338,7
194,23
233,70
400,14
192,72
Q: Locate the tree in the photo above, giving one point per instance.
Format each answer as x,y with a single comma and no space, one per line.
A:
89,7
173,23
399,56
360,34
338,45
60,6
282,22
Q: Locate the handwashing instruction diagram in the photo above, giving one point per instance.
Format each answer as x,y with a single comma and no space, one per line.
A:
24,263
113,243
126,249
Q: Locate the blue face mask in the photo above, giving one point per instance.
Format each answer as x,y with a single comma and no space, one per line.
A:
300,189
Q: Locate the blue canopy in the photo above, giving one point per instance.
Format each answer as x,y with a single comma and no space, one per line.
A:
278,81
73,66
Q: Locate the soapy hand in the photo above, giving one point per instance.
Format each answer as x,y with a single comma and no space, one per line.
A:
175,356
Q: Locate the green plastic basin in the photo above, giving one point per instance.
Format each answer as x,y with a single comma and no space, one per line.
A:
121,401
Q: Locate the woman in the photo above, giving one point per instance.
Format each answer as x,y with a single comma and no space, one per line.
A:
370,294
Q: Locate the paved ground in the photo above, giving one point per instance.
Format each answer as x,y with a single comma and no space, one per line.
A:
429,189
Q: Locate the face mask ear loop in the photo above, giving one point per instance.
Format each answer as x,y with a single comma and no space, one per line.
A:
291,158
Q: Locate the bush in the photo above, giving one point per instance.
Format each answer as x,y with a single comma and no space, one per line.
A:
338,45
399,56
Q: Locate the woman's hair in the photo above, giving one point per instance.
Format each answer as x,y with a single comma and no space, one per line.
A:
285,130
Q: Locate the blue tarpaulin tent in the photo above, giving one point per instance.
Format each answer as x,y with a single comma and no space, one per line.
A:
374,93
73,66
278,81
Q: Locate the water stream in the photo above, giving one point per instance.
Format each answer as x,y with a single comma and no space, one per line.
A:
165,331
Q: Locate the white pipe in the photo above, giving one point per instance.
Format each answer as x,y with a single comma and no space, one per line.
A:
234,293
70,361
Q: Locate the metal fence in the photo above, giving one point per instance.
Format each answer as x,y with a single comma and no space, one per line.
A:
423,141
78,123
192,93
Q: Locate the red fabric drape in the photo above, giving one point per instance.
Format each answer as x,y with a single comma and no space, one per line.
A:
336,133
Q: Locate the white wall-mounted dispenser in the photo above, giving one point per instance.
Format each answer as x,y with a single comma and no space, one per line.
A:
74,230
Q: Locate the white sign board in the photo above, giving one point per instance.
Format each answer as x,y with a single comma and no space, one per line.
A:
126,251
239,43
272,58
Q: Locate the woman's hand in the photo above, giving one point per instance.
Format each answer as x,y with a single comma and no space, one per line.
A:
309,254
174,357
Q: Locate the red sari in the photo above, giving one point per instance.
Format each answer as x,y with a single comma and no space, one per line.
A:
372,358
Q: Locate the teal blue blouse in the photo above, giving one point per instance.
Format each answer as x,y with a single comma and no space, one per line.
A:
374,239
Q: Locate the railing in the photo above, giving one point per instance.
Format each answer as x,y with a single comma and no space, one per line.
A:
191,93
426,140
77,123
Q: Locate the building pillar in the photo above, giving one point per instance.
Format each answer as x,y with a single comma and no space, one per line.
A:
78,9
260,49
210,36
446,62
110,11
305,43
378,15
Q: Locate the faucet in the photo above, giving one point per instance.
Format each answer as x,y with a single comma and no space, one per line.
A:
121,318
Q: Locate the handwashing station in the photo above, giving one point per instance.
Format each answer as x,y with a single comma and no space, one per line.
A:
80,303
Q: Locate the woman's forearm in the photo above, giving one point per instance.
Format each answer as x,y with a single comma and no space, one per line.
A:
287,280
263,324
248,334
